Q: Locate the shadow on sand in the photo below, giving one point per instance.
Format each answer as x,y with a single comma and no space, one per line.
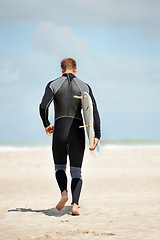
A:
48,212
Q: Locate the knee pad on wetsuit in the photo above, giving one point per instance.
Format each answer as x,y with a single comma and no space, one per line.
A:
75,172
60,167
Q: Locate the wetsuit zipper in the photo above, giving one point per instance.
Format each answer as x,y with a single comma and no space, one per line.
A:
69,93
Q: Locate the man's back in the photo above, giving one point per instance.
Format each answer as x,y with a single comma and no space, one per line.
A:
62,91
65,104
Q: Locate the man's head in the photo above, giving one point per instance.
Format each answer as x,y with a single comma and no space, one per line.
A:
68,65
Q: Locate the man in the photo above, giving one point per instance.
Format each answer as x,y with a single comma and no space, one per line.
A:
68,138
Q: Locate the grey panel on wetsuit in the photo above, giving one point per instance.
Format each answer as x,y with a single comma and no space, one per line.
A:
64,102
83,87
56,84
75,172
60,167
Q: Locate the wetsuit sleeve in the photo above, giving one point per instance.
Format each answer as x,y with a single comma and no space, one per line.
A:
44,106
97,127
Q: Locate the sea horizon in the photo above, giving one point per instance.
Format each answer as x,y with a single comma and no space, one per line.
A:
25,145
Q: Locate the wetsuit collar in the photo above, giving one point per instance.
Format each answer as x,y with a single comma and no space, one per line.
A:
69,75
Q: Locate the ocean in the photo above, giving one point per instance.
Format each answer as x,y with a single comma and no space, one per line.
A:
8,146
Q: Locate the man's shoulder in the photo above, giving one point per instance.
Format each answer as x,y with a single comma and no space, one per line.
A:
56,83
84,87
79,80
56,80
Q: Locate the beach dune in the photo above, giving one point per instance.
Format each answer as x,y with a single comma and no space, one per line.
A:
120,196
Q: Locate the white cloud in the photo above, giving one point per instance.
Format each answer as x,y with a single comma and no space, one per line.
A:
84,13
55,40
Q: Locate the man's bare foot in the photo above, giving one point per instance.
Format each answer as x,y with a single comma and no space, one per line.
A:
62,201
74,209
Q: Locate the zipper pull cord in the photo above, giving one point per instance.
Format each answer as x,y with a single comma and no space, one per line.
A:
70,79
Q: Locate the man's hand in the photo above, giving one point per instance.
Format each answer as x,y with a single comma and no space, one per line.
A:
49,129
96,140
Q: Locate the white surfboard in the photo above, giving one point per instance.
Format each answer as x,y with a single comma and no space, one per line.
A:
87,107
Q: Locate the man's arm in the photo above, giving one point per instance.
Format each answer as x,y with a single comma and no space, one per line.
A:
43,108
97,125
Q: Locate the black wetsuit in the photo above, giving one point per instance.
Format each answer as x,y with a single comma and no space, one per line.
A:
68,138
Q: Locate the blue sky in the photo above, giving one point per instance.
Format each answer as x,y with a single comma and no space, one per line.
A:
117,48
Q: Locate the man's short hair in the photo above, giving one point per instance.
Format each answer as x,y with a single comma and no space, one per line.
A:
68,64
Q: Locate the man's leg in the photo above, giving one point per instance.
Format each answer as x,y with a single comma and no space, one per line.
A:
69,138
60,159
60,172
76,152
76,186
62,183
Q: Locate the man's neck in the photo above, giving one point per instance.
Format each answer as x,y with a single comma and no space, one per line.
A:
69,71
73,71
69,75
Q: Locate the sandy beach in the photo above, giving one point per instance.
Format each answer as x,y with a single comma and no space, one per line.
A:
120,198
